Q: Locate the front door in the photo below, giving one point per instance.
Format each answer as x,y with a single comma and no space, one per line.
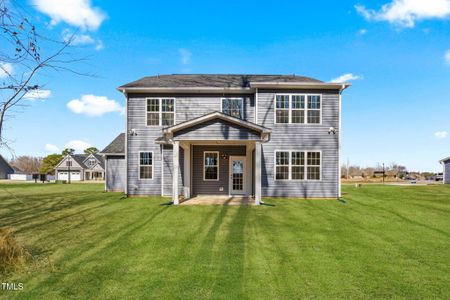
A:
237,175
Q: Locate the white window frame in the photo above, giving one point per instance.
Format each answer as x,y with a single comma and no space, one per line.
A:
290,165
218,165
233,98
153,165
160,111
290,108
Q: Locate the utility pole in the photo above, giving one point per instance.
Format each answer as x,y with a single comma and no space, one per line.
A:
69,163
383,173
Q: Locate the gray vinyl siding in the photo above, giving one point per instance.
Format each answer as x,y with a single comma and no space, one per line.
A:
300,137
447,172
201,187
75,165
217,130
143,141
115,173
168,171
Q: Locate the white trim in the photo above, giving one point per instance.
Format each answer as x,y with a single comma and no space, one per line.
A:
175,171
304,85
306,109
339,143
230,174
219,115
256,106
290,165
218,165
126,143
152,165
160,112
233,98
162,169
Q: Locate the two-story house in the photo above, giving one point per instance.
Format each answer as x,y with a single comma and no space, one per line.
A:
81,167
252,135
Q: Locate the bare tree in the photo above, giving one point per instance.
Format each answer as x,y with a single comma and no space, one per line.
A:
28,164
25,53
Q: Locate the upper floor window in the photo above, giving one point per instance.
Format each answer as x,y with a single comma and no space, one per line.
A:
160,111
68,163
297,109
210,165
91,162
297,165
233,107
145,165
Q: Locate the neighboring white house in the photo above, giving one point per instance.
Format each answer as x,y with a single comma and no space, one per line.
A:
446,164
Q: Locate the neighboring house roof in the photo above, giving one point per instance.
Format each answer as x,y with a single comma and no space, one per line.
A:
6,163
117,146
81,159
225,82
217,115
444,160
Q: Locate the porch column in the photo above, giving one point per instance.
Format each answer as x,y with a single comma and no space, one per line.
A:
258,154
176,168
187,171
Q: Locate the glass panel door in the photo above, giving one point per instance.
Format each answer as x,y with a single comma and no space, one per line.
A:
237,180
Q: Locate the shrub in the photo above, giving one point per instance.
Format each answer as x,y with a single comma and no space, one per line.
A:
12,254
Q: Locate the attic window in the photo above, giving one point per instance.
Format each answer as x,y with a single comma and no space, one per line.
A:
91,162
233,107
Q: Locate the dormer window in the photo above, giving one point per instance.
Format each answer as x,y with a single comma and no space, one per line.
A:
91,162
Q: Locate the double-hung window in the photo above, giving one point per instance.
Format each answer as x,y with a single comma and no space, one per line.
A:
145,165
297,109
160,111
210,166
91,162
233,107
297,165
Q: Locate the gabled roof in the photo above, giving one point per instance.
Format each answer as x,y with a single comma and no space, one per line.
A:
444,160
96,156
212,80
217,115
6,163
117,146
81,158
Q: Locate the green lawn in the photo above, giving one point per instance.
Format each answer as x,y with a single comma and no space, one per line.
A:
383,242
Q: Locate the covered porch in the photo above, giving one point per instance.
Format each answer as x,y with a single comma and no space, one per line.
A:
220,160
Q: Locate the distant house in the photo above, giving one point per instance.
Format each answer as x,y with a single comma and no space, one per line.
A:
5,168
20,175
446,164
115,164
81,167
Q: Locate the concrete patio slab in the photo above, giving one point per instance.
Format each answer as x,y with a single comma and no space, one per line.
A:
219,200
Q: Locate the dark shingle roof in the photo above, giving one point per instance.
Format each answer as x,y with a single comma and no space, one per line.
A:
79,158
212,80
116,146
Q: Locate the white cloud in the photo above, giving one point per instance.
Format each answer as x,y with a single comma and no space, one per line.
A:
406,13
362,31
79,13
37,95
441,134
51,148
447,56
81,39
77,145
345,78
94,106
6,69
185,56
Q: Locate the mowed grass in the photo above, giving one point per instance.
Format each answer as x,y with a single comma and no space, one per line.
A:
382,242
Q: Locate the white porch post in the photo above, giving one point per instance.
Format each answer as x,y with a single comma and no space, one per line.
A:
187,171
258,154
176,167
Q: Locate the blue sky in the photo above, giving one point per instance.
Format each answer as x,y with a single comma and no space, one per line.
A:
398,108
